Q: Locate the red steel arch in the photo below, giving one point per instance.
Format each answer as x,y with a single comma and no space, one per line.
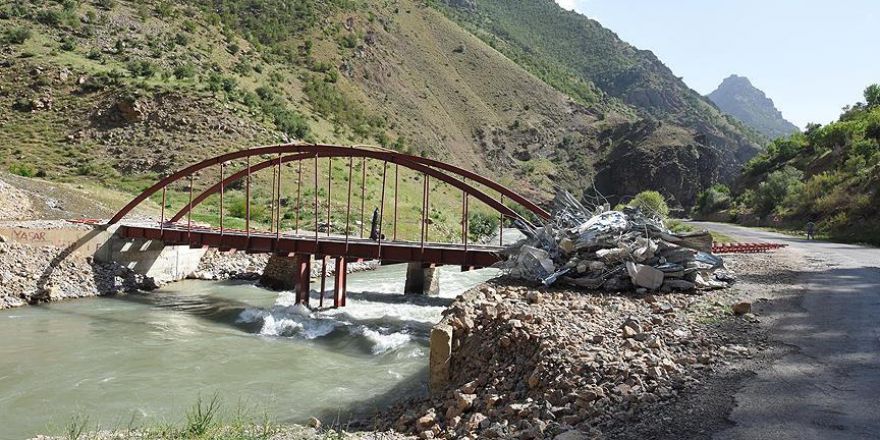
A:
424,165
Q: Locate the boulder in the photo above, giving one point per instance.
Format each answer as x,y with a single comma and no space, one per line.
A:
644,276
741,308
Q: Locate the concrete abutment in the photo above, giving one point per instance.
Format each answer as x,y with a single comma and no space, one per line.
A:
422,279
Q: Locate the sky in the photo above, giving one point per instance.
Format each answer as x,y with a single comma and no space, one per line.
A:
811,57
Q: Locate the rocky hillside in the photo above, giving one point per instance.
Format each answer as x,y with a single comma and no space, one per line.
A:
828,175
116,92
580,57
737,97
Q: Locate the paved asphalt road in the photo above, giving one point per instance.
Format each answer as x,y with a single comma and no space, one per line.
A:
828,386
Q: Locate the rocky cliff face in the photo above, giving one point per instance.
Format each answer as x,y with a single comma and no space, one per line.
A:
663,134
737,97
650,154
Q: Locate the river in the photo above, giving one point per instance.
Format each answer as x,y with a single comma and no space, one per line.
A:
146,358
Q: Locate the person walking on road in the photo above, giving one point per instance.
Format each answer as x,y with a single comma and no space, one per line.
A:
811,229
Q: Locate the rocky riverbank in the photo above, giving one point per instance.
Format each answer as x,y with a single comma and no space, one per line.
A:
35,274
291,432
537,363
216,265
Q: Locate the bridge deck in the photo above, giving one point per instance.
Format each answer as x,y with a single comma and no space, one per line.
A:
322,244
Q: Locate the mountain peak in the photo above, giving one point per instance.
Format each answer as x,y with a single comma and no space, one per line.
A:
737,97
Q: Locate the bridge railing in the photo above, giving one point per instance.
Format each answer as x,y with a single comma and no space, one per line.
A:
317,196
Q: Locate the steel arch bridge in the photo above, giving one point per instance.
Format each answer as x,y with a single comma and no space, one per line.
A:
302,245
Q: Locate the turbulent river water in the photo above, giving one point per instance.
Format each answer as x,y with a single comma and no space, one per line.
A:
145,359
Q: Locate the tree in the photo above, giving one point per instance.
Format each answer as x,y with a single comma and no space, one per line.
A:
713,199
652,203
779,186
481,225
872,95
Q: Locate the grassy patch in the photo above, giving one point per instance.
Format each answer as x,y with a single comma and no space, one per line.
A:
207,419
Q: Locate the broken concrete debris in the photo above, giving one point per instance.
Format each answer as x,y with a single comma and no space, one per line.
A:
614,250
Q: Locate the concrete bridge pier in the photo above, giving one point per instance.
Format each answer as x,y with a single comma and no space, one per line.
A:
422,279
295,273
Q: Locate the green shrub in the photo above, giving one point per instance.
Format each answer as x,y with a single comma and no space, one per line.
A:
714,199
164,9
141,68
218,82
872,130
651,203
779,187
238,208
291,122
22,169
68,44
185,71
349,41
189,26
482,225
181,39
16,35
100,81
50,17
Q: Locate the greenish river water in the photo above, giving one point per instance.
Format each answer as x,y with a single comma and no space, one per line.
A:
146,358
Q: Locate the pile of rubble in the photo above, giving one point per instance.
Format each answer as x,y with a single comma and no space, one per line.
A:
615,251
551,363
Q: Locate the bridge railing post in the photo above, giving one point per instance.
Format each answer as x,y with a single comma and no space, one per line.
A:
329,192
348,202
464,219
189,210
278,204
162,215
247,206
316,202
323,281
382,210
396,193
363,192
501,226
222,190
299,179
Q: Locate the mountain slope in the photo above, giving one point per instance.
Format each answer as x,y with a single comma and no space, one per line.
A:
580,57
829,175
118,92
737,97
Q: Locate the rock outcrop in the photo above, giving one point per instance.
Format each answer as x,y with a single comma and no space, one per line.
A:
737,97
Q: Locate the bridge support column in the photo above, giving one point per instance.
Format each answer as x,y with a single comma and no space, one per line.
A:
422,279
303,277
340,284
